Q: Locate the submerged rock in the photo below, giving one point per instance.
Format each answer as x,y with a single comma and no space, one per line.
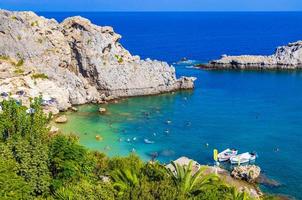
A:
75,62
102,110
98,138
264,180
61,119
285,57
248,173
74,109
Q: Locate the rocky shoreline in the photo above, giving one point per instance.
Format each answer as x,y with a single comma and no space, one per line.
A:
285,57
242,185
74,62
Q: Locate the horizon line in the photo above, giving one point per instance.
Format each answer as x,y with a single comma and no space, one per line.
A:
156,11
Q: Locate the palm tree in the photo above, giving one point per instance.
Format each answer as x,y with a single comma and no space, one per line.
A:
64,194
124,180
236,195
189,182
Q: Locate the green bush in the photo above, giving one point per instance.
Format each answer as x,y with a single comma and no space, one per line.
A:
19,71
20,63
35,23
39,76
69,161
25,136
119,59
3,57
12,186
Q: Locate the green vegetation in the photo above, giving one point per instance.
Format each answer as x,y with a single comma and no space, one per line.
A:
89,41
39,76
19,37
19,71
14,17
40,40
20,63
35,165
4,57
35,23
119,59
189,183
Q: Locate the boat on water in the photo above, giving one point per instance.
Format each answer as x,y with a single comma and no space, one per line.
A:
148,141
243,158
227,154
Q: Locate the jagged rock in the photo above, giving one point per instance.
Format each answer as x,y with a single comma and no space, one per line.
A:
104,179
53,130
102,110
248,173
61,119
285,57
80,62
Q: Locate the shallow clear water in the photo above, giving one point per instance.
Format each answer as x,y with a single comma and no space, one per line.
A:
232,111
250,110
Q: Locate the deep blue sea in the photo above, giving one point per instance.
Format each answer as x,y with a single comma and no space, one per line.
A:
251,110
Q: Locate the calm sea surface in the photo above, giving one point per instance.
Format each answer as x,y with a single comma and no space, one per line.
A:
252,111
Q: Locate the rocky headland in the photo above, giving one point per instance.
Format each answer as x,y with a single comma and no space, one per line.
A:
285,57
74,62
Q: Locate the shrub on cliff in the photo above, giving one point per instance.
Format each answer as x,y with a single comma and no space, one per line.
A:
25,135
39,76
69,161
12,186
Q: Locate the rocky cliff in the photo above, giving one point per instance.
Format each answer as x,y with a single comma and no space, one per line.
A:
75,62
285,57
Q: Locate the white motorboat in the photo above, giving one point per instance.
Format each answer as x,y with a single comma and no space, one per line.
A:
243,158
148,141
227,154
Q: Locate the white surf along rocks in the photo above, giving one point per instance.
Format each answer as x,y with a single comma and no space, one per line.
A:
74,62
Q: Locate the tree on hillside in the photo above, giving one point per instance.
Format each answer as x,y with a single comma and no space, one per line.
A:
12,186
25,135
190,183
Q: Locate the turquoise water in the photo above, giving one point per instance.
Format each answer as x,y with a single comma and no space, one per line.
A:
251,111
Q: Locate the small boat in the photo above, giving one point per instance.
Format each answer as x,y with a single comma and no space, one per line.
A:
148,141
134,139
227,154
243,158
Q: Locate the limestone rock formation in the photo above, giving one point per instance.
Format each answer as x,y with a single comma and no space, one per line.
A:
75,62
248,173
285,57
